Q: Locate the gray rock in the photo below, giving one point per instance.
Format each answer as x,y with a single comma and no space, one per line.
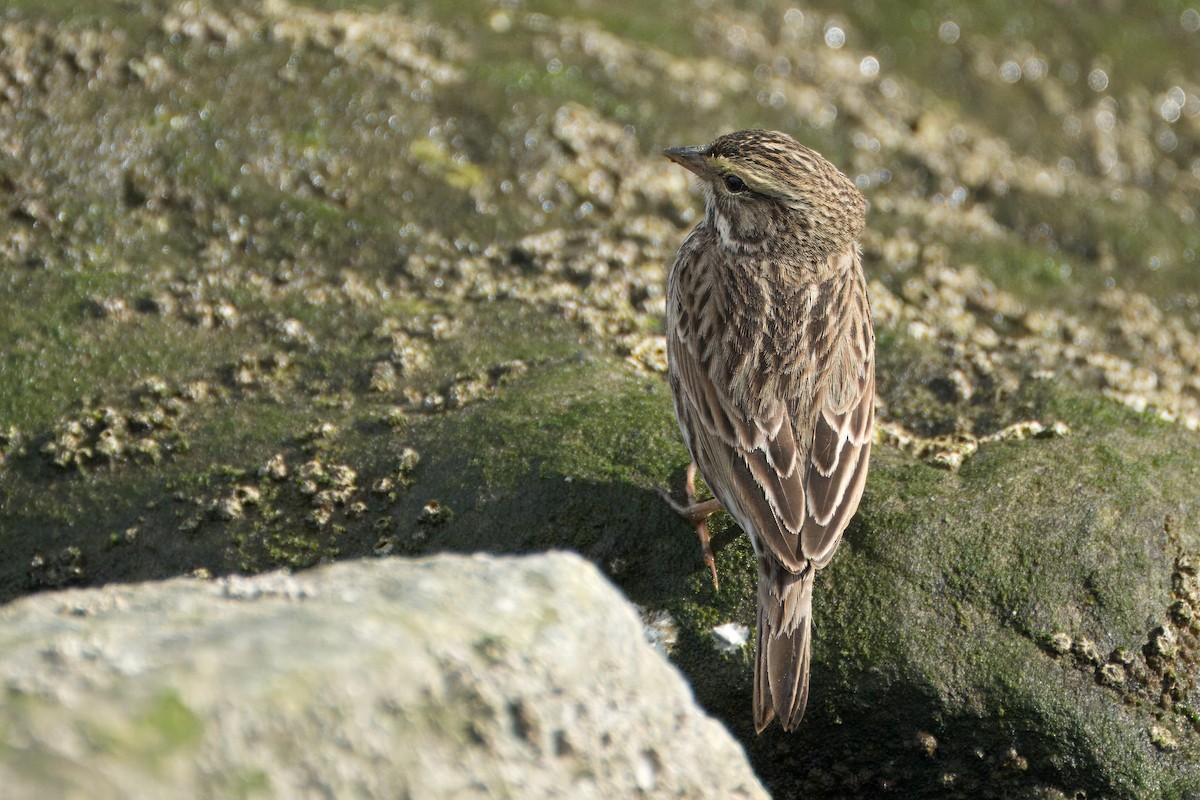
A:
449,676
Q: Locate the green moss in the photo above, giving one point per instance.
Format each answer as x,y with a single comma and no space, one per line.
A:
1138,45
1035,274
248,783
594,420
936,614
171,723
432,156
163,728
294,550
948,584
72,16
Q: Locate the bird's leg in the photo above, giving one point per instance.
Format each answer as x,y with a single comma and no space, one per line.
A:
697,514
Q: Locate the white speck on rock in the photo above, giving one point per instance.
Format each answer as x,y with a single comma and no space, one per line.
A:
730,637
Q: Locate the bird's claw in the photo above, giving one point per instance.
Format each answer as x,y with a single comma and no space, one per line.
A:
697,514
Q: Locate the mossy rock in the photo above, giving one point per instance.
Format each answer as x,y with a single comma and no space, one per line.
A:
260,259
935,668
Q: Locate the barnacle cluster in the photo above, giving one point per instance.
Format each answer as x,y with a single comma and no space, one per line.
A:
144,432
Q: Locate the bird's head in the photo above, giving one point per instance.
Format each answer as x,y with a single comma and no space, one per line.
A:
764,189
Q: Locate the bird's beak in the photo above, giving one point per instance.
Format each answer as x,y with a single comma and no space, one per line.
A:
691,158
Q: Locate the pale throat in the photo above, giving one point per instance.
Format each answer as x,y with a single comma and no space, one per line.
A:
728,238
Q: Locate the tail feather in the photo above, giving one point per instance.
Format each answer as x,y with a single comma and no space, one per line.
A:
782,652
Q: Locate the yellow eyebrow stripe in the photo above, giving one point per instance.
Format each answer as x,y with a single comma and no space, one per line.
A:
754,179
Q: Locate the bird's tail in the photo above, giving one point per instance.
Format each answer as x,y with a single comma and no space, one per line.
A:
781,655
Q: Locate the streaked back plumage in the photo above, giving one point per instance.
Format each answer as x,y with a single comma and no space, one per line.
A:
771,364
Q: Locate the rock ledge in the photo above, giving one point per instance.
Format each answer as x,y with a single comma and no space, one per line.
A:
447,676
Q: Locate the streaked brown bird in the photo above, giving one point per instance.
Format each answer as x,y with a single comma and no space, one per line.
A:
771,360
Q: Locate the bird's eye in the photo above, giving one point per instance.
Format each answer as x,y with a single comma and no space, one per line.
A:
734,184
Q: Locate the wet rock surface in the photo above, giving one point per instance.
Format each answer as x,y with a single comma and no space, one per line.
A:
290,283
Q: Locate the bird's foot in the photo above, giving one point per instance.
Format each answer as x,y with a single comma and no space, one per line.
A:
697,514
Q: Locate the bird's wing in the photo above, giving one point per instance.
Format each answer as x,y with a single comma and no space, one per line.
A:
842,422
756,478
793,469
837,471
